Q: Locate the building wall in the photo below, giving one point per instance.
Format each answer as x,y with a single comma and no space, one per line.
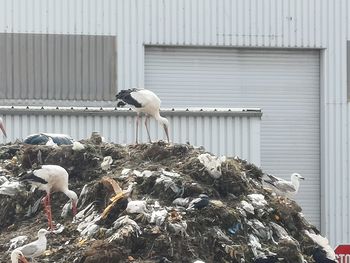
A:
119,126
320,24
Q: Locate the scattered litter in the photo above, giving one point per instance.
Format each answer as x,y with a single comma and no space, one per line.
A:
234,229
247,207
158,217
137,207
199,203
212,164
10,188
106,164
181,201
17,242
77,146
152,204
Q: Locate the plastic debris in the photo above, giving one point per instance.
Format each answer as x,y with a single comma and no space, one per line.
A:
124,227
77,146
258,200
199,203
247,207
137,207
212,164
168,183
17,242
10,188
181,201
158,217
323,243
106,164
235,228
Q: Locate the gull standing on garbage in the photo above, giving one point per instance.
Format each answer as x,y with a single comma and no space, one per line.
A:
17,256
143,100
36,248
286,187
2,127
51,178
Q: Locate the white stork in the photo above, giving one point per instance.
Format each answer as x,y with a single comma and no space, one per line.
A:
51,178
33,249
143,100
2,127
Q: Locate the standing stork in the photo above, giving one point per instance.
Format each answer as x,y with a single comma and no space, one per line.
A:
51,178
143,100
2,127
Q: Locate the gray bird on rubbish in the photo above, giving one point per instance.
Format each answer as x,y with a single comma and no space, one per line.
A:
35,248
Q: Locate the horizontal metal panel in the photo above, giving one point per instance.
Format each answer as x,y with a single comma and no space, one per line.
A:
221,132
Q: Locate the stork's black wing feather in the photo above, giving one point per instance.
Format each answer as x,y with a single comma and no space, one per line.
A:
125,96
30,177
36,139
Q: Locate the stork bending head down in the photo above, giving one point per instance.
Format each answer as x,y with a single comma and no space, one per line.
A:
51,178
143,100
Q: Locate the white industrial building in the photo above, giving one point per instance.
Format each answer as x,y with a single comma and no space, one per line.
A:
275,71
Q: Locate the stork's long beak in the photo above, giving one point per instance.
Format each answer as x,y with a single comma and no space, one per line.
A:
3,129
166,132
22,259
74,208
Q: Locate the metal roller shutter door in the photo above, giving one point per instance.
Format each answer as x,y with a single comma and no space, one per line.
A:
284,83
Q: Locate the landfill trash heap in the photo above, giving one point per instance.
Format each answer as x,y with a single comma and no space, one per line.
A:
153,202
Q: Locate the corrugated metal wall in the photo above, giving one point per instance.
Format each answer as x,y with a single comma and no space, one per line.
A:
228,132
248,23
37,68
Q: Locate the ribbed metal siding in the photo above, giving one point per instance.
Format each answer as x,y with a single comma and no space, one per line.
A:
227,133
285,84
45,67
249,23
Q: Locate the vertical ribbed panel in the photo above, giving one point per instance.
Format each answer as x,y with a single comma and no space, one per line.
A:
248,23
213,131
57,67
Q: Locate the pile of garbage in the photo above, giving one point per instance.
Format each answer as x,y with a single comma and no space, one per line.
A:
151,203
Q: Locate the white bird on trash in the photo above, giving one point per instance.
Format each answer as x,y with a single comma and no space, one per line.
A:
143,100
17,256
2,127
286,187
51,178
35,248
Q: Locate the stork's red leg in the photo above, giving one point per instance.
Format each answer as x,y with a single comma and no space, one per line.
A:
49,211
146,121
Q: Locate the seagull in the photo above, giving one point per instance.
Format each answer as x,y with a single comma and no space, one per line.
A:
17,256
51,178
36,248
199,203
286,187
2,127
143,100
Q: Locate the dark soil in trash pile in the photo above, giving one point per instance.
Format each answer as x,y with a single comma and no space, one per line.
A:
242,222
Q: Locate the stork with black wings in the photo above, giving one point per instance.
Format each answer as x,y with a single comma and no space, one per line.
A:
143,100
